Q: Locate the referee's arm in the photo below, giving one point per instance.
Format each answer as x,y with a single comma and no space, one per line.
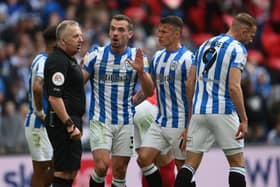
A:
59,108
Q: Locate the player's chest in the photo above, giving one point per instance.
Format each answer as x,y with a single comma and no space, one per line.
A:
113,66
169,68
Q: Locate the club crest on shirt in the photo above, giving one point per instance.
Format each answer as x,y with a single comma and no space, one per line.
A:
173,65
58,79
128,66
146,62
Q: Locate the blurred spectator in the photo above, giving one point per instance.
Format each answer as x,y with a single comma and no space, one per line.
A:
52,9
260,9
270,38
257,74
15,11
12,129
2,93
274,134
257,133
172,7
187,40
257,113
3,16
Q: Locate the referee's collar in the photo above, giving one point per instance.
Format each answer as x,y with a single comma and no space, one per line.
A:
66,54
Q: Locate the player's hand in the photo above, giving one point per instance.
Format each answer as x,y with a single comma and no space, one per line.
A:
183,140
81,62
74,132
242,130
40,115
138,63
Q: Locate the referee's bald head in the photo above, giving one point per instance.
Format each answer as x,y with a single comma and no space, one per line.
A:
61,28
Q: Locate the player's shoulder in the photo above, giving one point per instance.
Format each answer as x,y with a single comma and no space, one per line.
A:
94,52
159,52
131,50
94,49
57,59
187,52
40,58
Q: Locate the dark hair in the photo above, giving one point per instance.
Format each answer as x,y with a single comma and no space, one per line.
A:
50,34
121,17
175,21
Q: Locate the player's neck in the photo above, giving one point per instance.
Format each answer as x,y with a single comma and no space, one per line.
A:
174,47
118,50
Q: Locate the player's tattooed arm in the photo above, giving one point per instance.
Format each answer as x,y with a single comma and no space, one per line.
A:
139,97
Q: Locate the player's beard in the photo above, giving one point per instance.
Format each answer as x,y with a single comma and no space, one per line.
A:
115,43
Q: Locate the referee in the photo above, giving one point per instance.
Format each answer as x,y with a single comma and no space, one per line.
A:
66,97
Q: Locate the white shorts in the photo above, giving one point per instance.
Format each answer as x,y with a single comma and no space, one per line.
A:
118,139
143,118
164,139
206,129
38,142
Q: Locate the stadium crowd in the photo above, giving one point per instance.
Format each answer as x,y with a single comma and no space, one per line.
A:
22,23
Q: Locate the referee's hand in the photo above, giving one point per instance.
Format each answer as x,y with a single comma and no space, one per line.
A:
74,132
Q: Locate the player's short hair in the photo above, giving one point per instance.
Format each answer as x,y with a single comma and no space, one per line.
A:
49,34
62,25
243,19
175,21
121,17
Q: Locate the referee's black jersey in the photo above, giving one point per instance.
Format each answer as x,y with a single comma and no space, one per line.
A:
63,78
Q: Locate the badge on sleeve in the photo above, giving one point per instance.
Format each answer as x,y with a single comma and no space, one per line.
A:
58,79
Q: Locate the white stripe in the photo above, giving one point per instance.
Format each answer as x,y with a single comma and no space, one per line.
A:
149,169
239,170
188,167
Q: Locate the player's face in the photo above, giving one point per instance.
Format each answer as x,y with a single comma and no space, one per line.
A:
167,35
119,35
248,35
73,39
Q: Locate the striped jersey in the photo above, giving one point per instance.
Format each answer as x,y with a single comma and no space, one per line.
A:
170,70
112,82
36,70
213,61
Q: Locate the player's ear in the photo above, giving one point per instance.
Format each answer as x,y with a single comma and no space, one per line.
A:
130,34
63,42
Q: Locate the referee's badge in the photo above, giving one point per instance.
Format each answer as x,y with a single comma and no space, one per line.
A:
173,65
58,79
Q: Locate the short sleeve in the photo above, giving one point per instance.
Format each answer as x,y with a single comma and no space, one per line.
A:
57,75
39,72
90,59
240,57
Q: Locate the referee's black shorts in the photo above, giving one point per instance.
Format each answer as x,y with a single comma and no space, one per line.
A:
67,152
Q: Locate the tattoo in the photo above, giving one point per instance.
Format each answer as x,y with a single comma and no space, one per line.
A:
139,97
39,80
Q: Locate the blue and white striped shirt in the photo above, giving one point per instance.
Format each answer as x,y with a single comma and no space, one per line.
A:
213,61
170,70
112,81
36,70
